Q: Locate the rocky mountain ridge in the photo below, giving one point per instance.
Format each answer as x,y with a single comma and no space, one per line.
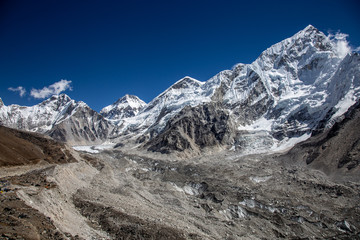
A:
334,151
302,84
59,117
281,97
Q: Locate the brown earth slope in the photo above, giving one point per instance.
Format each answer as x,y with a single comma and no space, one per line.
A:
21,148
32,155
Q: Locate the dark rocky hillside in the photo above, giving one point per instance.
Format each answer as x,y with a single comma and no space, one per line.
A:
336,152
194,128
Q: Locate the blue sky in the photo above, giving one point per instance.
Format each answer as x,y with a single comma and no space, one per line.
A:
102,50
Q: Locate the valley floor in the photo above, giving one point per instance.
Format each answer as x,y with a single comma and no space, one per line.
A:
113,195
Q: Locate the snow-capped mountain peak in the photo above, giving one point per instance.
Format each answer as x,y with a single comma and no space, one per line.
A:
60,117
302,83
186,82
125,107
295,65
279,98
56,102
132,100
40,117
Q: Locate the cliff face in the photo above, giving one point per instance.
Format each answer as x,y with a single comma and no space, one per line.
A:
195,128
84,126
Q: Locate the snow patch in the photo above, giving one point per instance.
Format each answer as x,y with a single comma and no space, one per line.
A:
94,148
257,179
88,149
288,143
262,124
179,189
190,191
347,101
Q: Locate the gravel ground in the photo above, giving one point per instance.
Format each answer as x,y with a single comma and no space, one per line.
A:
114,195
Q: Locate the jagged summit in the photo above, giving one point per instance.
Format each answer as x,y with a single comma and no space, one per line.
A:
307,32
1,103
309,27
61,96
57,101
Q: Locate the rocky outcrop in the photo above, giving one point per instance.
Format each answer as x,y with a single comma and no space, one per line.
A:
121,225
83,127
336,151
194,128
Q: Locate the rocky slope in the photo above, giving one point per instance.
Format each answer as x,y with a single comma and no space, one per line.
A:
23,148
194,128
335,151
31,155
83,126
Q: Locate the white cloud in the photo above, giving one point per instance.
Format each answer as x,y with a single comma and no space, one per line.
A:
53,89
342,46
19,89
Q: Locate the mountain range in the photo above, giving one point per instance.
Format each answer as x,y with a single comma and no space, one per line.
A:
267,150
299,86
